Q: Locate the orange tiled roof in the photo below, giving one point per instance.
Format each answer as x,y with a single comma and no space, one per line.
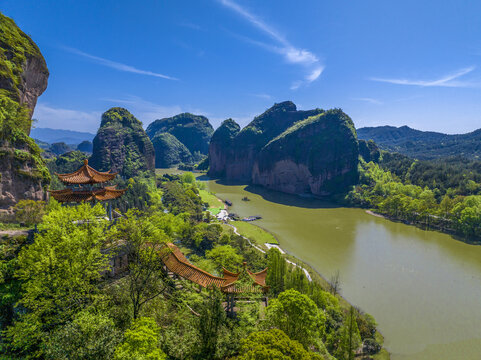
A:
177,263
69,195
86,175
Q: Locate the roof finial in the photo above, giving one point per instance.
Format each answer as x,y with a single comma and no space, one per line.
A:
86,161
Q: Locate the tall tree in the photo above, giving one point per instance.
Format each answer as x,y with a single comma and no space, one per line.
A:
297,315
212,317
142,240
59,271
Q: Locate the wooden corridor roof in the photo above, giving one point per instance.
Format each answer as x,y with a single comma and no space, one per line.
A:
177,263
69,195
86,175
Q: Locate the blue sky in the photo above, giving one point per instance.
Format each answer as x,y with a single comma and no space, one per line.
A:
410,62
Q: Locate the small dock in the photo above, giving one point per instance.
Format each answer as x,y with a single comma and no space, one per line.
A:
252,218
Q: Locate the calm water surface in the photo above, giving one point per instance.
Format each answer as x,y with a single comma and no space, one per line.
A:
423,287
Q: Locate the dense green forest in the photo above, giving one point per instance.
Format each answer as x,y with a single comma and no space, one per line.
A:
426,145
59,300
444,193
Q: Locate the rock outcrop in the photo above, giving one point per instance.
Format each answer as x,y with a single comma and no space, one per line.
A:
169,151
194,131
23,77
220,146
318,155
314,152
23,70
121,145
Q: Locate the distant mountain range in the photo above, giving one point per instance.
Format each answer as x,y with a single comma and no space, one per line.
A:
59,135
423,145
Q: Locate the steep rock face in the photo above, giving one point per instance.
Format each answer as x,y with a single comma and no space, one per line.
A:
238,162
23,77
23,71
194,131
23,174
121,145
318,155
220,145
169,151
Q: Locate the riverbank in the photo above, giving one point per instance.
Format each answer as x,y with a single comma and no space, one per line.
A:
309,271
429,226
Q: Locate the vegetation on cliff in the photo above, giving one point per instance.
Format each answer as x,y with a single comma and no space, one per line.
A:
23,171
325,144
226,132
16,48
169,151
194,131
121,145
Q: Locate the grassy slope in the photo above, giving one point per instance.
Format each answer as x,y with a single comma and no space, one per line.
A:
254,233
215,205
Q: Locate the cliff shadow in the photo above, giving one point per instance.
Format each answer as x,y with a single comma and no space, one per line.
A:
308,202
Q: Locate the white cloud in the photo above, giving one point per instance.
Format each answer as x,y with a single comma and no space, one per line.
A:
300,56
291,53
315,74
263,96
59,118
116,65
445,81
369,100
312,76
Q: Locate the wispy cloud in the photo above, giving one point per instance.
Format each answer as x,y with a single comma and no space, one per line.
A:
144,110
449,80
263,96
116,65
369,100
290,53
190,25
60,118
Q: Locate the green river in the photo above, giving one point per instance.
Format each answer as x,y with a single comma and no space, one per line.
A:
423,287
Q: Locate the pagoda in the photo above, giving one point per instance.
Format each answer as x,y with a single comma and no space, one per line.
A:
81,187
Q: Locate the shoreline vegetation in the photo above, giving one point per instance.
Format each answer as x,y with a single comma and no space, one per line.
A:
246,230
422,194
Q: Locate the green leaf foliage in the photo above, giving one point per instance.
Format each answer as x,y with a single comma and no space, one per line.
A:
297,315
141,342
58,273
273,344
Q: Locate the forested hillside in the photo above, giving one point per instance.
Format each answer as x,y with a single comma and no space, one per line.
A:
444,194
423,144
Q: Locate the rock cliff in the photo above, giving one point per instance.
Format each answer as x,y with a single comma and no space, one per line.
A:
23,77
121,145
220,146
23,70
169,151
194,131
292,151
318,155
